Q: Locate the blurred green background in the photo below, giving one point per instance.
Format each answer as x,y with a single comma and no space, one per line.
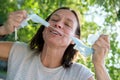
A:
95,15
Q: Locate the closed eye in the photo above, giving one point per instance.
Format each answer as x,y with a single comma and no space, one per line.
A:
68,24
55,20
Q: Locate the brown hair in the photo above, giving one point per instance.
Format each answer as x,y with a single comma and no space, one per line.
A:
37,41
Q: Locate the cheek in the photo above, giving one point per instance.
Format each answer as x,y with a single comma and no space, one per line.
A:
68,33
44,33
51,23
66,40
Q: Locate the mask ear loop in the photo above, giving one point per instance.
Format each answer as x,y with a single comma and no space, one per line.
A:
16,37
22,25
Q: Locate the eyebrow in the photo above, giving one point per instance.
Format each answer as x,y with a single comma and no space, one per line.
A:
59,16
56,15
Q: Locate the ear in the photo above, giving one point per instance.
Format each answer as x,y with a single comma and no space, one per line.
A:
72,42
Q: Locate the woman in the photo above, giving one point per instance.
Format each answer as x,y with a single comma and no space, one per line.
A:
50,54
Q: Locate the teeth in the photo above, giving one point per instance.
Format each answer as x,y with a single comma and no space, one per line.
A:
55,32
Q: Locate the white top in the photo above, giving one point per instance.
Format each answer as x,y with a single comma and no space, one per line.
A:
24,64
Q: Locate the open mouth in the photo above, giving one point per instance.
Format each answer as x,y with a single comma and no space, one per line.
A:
55,31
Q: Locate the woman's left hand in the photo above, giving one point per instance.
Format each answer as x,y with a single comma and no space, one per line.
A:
101,48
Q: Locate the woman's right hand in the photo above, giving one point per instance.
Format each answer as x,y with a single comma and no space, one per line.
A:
14,20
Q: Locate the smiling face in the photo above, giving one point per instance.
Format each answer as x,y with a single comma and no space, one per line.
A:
65,23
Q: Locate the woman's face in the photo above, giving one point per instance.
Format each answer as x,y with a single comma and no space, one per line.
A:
65,24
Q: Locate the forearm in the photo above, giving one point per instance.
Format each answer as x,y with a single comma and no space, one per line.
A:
101,72
4,46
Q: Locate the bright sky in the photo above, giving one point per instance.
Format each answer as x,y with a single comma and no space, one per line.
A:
96,14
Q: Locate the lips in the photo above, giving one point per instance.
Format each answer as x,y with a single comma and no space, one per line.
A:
56,32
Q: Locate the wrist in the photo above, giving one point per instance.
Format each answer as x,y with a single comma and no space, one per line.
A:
99,65
101,72
2,34
98,62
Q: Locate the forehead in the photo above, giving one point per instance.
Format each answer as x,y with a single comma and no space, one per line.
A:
66,14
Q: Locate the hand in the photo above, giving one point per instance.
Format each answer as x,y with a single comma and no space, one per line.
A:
101,48
14,20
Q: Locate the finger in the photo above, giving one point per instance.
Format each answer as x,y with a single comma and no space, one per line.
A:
18,19
106,50
21,13
24,14
101,45
18,15
104,41
106,37
11,25
99,50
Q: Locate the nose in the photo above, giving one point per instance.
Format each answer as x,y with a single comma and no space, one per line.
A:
58,25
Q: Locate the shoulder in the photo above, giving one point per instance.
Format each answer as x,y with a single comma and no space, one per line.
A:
20,44
79,68
80,72
19,52
20,49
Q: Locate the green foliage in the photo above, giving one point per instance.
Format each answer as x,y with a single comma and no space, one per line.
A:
44,7
118,14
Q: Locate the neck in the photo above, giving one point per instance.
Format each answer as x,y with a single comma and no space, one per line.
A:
51,56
